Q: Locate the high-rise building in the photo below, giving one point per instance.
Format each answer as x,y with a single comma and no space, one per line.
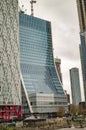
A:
81,5
68,97
42,87
58,68
10,88
75,86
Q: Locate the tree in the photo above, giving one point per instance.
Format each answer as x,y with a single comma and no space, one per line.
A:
74,109
61,111
81,110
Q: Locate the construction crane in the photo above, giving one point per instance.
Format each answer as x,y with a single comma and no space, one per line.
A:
32,10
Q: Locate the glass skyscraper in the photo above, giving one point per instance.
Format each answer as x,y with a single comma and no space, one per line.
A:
44,89
75,86
81,5
10,87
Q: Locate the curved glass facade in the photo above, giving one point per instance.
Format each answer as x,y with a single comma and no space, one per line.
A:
36,56
37,65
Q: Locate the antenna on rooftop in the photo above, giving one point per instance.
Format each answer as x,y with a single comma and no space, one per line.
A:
32,10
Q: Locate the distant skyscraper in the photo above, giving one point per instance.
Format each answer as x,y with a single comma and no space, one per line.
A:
75,86
42,86
58,68
10,88
68,97
81,5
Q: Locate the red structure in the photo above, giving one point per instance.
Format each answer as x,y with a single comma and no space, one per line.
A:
8,111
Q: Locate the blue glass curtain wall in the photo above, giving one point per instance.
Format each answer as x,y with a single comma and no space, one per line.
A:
36,56
83,54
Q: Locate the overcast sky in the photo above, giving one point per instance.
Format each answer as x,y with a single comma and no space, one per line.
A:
65,33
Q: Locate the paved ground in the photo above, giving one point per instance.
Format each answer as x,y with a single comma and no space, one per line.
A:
73,129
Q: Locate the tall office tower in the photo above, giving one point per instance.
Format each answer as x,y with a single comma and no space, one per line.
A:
58,68
41,83
75,86
10,89
81,5
68,97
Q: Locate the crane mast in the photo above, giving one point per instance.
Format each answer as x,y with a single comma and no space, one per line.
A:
32,10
